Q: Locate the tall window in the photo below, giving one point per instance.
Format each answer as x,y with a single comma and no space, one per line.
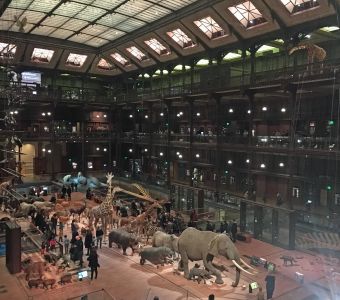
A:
43,56
76,60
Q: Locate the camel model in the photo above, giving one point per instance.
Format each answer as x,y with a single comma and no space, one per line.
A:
314,53
104,210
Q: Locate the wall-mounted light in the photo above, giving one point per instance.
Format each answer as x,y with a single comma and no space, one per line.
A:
248,111
161,153
177,153
48,113
146,150
247,160
262,166
180,156
43,150
130,116
197,155
161,114
15,112
146,116
231,110
130,150
281,164
49,151
198,114
230,162
105,116
97,148
283,109
97,116
105,149
264,108
43,114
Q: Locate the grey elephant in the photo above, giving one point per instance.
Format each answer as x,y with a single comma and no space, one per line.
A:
155,255
198,245
161,238
123,239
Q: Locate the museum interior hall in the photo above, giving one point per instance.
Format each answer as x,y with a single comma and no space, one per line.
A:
170,149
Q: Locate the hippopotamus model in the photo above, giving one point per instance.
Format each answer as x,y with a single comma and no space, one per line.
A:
155,255
123,239
167,240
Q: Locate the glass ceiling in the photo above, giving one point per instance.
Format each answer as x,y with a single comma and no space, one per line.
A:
157,46
91,22
295,6
247,14
181,38
210,27
137,53
42,55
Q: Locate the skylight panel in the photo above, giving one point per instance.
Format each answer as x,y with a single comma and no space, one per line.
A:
80,38
210,27
91,13
43,56
119,58
295,6
111,34
137,53
61,33
42,5
74,24
7,50
43,30
76,60
247,14
23,4
156,46
104,65
96,42
181,38
107,4
69,9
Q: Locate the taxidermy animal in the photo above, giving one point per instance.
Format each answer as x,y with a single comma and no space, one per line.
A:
66,278
167,240
199,274
49,282
157,256
34,268
34,283
197,245
123,239
287,258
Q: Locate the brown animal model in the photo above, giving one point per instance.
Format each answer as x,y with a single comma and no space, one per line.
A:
65,204
66,278
35,268
78,210
49,282
34,283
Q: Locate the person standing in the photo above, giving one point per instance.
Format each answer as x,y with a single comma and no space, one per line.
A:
66,244
79,250
61,231
260,294
63,191
99,236
270,285
69,191
88,241
93,263
54,222
233,231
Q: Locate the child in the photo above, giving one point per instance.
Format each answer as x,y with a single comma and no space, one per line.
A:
53,243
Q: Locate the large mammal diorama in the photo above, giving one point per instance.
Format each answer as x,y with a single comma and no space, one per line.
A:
155,255
123,239
198,245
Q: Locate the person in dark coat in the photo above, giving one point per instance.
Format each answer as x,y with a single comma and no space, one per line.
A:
88,194
233,231
54,222
270,285
69,191
63,192
93,263
79,245
88,241
99,236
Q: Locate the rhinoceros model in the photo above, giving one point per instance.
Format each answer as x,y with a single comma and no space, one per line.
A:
155,255
123,239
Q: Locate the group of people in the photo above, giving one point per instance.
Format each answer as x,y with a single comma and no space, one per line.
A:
67,190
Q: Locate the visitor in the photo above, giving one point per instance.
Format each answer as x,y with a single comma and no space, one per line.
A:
66,244
233,231
88,241
211,297
61,231
74,227
53,199
88,194
43,248
72,187
79,250
93,263
69,191
279,201
75,187
260,294
155,298
63,192
54,222
99,236
270,285
209,226
53,243
224,227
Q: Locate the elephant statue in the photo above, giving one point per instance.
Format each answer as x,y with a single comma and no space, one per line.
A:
161,238
198,245
157,256
123,239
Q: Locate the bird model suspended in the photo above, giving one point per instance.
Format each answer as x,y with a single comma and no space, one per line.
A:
20,23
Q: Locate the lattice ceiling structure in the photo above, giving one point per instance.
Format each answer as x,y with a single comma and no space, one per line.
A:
109,37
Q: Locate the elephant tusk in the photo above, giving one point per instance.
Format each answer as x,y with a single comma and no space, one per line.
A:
250,267
238,266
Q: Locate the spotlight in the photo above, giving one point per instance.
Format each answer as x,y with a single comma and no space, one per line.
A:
248,111
161,114
146,150
105,116
247,160
130,150
49,150
97,148
11,112
198,114
130,116
180,156
181,113
104,149
230,162
43,150
264,108
97,116
197,155
43,114
231,110
262,166
283,109
146,117
16,112
177,153
48,113
281,165
161,153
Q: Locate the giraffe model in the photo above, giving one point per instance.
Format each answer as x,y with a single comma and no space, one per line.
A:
314,53
104,210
